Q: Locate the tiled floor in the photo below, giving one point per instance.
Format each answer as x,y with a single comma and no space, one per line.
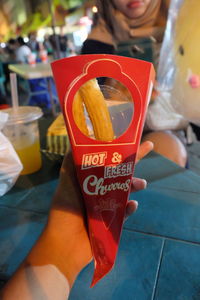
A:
194,157
134,275
179,274
167,211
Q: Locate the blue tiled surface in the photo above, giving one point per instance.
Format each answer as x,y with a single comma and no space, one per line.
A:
133,276
152,169
194,157
19,230
167,213
170,206
34,192
33,199
159,253
179,276
23,214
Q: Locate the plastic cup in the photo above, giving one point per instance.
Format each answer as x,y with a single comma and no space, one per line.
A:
43,56
120,107
32,59
23,132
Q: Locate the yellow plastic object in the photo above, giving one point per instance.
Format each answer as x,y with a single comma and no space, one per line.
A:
186,87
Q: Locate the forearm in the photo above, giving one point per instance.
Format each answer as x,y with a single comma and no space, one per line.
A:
37,283
52,265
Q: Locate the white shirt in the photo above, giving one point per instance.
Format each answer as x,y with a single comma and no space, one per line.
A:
22,54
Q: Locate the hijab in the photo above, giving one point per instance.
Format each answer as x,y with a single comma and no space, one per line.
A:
113,27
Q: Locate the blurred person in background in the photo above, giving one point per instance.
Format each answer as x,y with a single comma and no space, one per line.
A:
119,21
7,56
59,44
47,45
33,44
54,40
126,20
22,51
63,40
11,49
63,45
3,54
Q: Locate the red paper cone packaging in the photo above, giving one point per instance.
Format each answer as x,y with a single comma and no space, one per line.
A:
104,99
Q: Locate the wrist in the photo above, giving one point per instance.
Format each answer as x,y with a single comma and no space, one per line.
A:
70,227
52,250
66,238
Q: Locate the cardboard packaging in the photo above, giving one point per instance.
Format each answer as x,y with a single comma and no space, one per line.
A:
105,168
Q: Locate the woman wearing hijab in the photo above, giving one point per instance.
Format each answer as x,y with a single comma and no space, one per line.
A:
119,21
122,20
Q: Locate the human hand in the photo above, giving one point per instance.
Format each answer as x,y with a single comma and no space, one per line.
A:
68,195
68,217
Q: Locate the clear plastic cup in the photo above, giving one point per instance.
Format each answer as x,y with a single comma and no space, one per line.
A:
43,56
120,107
32,59
23,132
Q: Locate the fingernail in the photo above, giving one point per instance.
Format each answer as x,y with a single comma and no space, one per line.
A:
145,183
136,204
137,184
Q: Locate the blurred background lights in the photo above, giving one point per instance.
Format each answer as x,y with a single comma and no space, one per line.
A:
94,9
26,39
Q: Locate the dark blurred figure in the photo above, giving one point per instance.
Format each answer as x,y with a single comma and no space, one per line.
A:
54,40
47,45
10,49
59,45
3,101
8,57
63,45
33,44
